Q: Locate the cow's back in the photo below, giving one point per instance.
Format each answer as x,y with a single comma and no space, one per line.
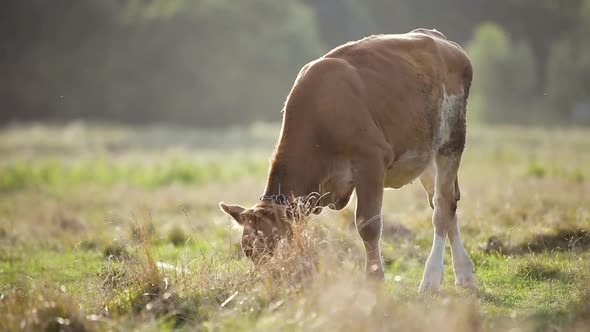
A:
421,57
405,79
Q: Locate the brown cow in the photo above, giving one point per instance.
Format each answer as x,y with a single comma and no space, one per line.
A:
373,113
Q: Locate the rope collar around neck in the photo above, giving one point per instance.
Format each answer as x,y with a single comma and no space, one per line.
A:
279,199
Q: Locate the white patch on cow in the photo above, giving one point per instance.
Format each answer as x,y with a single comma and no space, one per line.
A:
451,109
433,272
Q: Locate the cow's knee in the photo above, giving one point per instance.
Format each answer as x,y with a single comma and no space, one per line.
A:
369,228
370,231
450,206
445,208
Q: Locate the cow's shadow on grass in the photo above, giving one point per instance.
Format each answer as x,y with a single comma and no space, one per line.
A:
558,241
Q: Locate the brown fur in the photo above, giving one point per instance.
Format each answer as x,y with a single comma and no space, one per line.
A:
365,116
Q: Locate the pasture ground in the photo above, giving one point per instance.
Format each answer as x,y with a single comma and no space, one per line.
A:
115,228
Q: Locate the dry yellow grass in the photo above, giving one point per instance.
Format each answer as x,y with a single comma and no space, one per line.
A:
519,188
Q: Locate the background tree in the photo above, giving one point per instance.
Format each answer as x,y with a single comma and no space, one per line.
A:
203,62
506,77
569,67
221,62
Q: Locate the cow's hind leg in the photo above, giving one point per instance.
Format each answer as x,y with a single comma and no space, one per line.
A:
444,220
445,224
462,264
444,212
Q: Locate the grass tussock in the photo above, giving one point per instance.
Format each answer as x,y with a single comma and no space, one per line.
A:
539,271
116,251
178,236
43,309
169,294
536,169
143,232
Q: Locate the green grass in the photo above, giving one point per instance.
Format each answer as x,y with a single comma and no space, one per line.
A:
50,266
107,228
18,174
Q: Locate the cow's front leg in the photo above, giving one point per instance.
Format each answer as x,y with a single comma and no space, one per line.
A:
369,189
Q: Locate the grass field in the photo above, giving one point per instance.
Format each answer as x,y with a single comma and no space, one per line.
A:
114,228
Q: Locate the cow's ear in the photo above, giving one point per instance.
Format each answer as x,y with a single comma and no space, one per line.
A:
233,210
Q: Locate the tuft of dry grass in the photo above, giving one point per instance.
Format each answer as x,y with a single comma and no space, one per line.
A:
313,287
29,308
116,250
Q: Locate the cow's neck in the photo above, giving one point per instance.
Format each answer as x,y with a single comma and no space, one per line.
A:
290,177
292,170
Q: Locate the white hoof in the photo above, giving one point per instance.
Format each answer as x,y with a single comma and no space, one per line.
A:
431,280
465,280
464,277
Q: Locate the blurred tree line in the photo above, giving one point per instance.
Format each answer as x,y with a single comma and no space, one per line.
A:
222,62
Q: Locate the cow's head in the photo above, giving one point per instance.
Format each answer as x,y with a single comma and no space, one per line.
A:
263,226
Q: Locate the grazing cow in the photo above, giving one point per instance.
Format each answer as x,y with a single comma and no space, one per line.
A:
372,114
